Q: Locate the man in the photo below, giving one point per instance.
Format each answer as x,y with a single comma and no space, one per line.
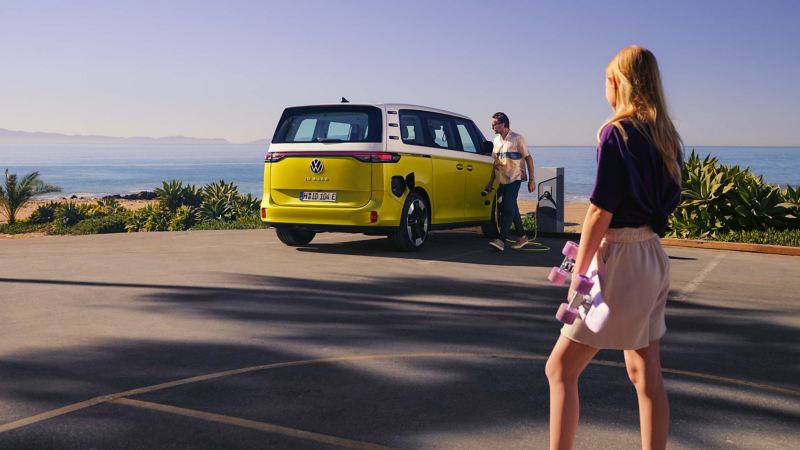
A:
510,150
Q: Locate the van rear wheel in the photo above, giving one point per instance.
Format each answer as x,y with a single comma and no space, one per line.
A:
414,223
294,237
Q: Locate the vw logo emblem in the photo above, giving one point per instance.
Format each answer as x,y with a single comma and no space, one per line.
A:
316,166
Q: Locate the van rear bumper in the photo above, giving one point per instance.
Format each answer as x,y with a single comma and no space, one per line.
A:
335,219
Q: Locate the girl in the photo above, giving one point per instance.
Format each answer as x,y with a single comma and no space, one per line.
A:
639,158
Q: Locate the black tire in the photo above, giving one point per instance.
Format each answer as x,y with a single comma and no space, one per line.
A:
491,229
294,237
414,224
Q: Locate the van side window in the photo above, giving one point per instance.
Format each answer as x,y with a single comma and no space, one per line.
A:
411,128
440,132
469,141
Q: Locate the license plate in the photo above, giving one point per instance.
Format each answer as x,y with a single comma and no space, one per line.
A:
318,196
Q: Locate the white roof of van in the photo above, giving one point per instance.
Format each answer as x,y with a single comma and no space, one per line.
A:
391,107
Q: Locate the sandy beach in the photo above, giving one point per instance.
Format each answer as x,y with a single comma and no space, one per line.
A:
573,212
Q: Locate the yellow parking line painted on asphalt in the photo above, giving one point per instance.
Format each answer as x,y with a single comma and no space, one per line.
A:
50,414
252,424
520,356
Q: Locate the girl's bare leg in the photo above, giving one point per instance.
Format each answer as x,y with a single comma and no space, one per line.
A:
566,363
644,370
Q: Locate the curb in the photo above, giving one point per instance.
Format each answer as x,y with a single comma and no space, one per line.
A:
711,245
732,246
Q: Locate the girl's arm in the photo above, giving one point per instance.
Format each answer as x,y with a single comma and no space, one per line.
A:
594,228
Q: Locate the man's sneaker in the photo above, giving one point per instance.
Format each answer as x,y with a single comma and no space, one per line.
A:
521,242
498,244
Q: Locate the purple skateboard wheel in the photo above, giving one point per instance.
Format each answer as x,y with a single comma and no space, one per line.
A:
584,285
566,314
570,250
558,275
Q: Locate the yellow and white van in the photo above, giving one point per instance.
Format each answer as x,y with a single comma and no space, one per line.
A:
383,169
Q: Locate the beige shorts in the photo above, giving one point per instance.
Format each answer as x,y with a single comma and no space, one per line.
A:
634,280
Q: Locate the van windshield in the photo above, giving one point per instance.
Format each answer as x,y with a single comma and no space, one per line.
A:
333,123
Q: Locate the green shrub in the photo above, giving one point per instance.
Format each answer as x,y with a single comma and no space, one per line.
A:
220,209
107,206
134,221
770,236
21,227
98,225
247,205
156,218
68,214
184,218
45,213
192,196
718,199
529,221
248,223
170,194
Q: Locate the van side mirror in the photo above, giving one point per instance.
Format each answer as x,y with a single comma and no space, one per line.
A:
486,148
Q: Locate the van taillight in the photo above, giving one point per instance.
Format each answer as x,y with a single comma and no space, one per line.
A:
273,156
380,157
263,213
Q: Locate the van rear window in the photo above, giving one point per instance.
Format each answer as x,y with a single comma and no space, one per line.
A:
333,123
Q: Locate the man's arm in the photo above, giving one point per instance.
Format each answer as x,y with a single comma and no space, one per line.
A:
531,179
490,186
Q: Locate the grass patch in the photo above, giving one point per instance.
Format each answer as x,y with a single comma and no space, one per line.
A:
98,225
22,227
248,223
790,238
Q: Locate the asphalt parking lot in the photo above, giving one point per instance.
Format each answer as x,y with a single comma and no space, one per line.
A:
229,339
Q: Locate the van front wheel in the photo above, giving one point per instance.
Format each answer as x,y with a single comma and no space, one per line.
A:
414,223
294,237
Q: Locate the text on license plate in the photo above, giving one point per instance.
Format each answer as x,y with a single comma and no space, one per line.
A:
318,196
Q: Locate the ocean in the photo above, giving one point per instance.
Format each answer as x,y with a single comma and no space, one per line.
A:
103,169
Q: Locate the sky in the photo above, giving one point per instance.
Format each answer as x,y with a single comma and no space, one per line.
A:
226,69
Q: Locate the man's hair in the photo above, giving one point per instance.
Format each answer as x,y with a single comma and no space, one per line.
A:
502,118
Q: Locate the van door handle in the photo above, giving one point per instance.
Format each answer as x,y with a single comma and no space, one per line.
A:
459,166
469,167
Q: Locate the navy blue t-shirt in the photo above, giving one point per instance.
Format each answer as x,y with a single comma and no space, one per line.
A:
632,182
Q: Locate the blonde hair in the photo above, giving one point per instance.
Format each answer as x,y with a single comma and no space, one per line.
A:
640,98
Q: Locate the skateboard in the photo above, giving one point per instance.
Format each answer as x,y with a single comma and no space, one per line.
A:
587,300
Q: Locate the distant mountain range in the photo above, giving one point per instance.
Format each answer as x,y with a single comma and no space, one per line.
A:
27,137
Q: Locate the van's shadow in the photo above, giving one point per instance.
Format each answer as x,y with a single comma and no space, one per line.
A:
462,246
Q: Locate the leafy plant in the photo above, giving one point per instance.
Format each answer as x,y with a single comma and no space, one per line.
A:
769,236
107,206
218,209
718,199
21,227
135,220
68,214
247,205
156,218
185,217
45,213
219,190
17,193
249,223
171,194
529,221
114,223
192,196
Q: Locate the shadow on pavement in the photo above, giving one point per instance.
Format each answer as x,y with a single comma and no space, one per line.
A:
454,246
391,402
